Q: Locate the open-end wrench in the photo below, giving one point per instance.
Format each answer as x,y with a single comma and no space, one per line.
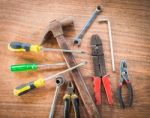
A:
59,82
87,25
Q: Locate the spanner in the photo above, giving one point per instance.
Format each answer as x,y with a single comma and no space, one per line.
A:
87,25
59,82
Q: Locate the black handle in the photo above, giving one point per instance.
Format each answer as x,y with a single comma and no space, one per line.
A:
119,93
67,105
130,91
75,102
130,94
19,45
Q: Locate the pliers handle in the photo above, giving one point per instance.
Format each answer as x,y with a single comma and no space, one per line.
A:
68,99
97,89
124,80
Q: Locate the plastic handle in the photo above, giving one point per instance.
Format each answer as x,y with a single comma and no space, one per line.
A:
75,101
18,46
67,102
97,90
23,67
22,89
107,86
130,92
24,47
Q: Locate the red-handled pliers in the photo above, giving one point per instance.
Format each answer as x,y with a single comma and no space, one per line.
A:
100,71
124,79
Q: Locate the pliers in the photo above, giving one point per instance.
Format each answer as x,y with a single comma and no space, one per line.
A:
69,97
124,79
100,71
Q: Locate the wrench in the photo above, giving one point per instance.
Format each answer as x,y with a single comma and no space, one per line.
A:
59,82
87,25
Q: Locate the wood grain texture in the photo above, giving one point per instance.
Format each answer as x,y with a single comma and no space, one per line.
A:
27,20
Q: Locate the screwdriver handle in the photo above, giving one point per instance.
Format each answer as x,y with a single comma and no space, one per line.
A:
97,89
23,47
24,88
23,67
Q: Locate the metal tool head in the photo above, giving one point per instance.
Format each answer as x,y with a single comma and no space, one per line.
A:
55,28
70,88
98,56
79,37
60,80
123,70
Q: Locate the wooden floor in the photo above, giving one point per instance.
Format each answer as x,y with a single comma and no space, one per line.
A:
26,21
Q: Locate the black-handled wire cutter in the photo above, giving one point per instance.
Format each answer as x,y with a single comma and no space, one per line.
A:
124,79
71,97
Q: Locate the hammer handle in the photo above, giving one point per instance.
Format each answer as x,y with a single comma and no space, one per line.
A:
79,81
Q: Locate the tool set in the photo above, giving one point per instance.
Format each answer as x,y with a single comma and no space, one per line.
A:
55,28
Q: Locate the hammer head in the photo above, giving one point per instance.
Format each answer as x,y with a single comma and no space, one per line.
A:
55,28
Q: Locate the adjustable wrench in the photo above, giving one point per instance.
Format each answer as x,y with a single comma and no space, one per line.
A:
87,25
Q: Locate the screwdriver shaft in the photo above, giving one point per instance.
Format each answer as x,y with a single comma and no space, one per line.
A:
62,50
69,69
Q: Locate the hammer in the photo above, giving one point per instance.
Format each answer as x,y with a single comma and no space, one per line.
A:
55,27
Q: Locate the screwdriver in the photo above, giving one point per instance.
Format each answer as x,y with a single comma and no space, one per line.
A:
24,88
32,66
26,47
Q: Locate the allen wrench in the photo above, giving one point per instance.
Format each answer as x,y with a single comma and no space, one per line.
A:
111,43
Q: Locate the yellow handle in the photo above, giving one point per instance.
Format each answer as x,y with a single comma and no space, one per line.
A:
23,47
24,88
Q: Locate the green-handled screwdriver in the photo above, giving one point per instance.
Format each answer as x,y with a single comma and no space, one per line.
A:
33,66
24,88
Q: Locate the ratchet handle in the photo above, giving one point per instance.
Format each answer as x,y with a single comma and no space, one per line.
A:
97,89
24,88
23,47
107,86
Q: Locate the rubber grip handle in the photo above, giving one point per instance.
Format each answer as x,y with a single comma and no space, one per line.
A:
24,88
67,102
130,91
120,97
18,46
75,102
23,67
107,86
119,93
97,89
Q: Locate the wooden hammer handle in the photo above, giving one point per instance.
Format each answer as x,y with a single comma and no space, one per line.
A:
79,81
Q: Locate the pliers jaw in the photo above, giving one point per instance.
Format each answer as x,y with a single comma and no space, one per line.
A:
124,72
